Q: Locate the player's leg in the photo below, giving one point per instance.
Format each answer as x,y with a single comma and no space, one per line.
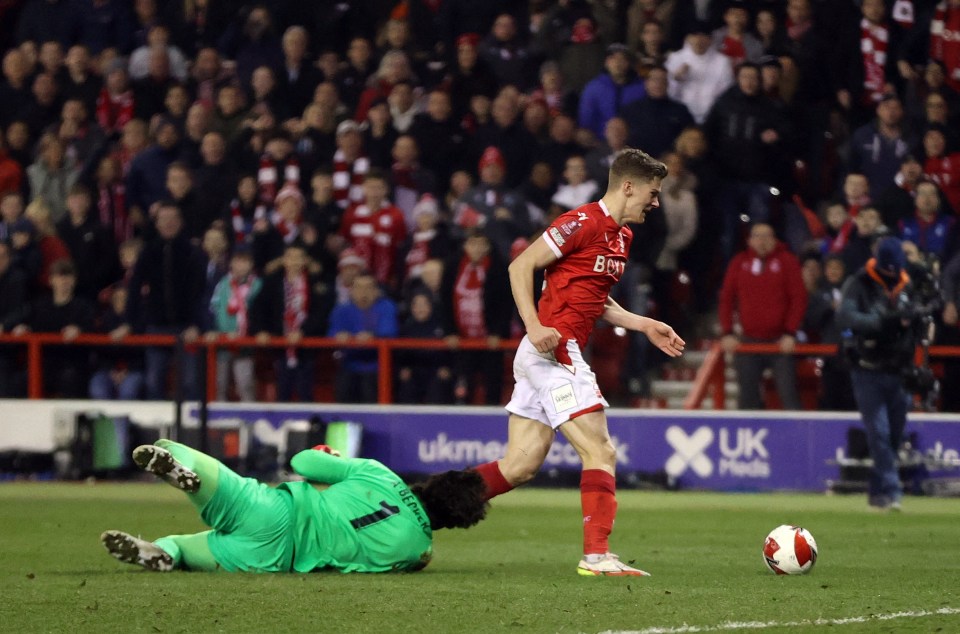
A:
187,469
528,442
191,552
588,434
163,555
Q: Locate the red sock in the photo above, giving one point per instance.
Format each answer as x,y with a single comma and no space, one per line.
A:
598,498
493,478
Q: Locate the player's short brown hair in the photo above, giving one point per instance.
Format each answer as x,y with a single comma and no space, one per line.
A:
633,163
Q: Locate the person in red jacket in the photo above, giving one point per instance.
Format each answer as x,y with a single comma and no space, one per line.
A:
764,287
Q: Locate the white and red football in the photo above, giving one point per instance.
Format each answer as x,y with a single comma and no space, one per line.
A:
790,550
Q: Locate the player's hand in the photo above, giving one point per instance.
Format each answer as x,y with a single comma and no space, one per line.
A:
663,336
544,338
788,344
327,449
729,343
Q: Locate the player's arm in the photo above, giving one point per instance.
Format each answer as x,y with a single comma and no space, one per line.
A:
318,465
536,256
660,334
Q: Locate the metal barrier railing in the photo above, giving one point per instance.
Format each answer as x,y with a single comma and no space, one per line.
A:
35,342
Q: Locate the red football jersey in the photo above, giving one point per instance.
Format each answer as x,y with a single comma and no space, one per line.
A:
592,250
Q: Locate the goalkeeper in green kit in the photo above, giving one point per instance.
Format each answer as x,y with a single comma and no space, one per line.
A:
368,520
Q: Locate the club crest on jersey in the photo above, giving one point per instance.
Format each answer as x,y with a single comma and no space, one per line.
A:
571,227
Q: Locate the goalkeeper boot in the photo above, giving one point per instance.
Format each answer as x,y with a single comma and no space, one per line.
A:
133,550
607,565
162,464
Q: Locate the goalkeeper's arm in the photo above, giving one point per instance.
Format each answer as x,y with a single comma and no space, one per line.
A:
323,464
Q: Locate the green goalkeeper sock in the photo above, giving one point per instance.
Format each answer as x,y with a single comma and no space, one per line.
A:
189,551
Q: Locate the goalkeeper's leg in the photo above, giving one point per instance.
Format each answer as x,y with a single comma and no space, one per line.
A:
190,551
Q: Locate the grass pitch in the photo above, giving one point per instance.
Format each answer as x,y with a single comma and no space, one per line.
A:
513,572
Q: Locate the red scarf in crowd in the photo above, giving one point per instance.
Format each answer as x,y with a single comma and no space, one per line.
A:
114,111
468,297
112,211
269,181
348,179
288,230
237,302
873,46
296,304
945,42
419,253
796,30
240,224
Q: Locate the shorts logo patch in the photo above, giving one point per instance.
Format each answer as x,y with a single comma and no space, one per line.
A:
563,397
555,234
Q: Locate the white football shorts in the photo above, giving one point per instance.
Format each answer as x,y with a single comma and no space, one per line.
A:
552,392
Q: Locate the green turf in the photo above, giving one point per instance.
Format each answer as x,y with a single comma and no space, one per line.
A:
514,572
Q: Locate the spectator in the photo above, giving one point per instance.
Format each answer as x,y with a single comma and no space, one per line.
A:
51,247
375,230
298,78
292,304
352,78
42,20
764,287
643,12
656,120
938,114
378,134
500,211
116,103
578,188
423,376
350,165
477,288
194,121
242,220
877,148
471,76
11,209
734,39
52,175
930,229
158,44
118,370
561,144
429,239
100,25
216,176
180,190
651,51
44,106
394,67
229,115
82,139
698,73
896,201
438,136
266,97
554,89
13,311
770,31
945,20
196,26
366,316
538,191
166,297
349,267
26,254
867,68
820,324
681,212
91,245
80,82
745,135
232,304
110,198
615,135
942,166
403,106
325,216
15,88
605,95
859,245
216,255
410,180
506,133
65,367
251,41
146,181
506,56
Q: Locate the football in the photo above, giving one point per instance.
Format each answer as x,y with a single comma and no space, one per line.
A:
790,550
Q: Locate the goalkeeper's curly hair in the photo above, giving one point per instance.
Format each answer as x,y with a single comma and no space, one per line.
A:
453,499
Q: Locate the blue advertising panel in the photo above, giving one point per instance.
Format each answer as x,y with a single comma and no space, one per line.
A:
704,450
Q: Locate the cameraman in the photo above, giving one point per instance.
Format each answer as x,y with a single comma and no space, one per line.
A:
881,325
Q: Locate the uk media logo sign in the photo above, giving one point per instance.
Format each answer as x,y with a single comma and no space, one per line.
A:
742,452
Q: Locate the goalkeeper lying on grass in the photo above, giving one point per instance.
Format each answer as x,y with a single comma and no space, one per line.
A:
367,521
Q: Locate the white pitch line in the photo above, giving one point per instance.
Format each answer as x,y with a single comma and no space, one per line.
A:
762,625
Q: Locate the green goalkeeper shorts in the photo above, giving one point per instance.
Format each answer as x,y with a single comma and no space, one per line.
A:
252,525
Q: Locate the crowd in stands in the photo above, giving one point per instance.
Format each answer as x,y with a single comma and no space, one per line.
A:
369,169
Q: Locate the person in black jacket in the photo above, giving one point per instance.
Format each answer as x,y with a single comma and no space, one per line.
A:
165,294
656,120
477,288
65,367
423,376
293,304
13,305
91,244
877,313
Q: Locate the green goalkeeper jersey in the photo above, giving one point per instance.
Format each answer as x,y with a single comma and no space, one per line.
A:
366,521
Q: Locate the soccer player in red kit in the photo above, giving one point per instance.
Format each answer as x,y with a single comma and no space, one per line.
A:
584,253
